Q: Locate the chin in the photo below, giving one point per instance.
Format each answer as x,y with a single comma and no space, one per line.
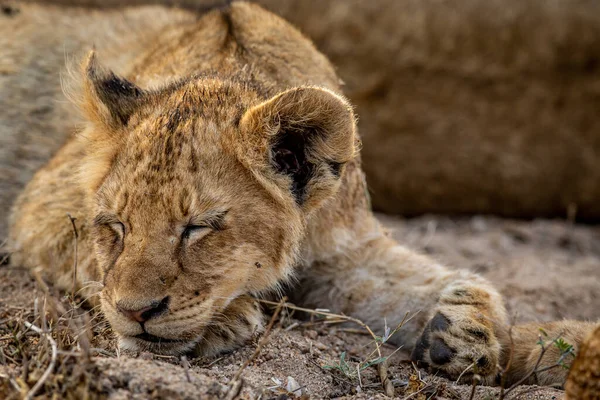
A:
155,344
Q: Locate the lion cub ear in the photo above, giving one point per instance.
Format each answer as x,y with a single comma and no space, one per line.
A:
109,99
300,140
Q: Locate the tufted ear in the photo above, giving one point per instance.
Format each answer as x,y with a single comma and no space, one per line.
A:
300,140
109,99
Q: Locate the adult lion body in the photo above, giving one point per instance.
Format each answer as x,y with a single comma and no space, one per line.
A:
584,377
216,164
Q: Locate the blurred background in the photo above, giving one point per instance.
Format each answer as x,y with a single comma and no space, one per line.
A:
471,106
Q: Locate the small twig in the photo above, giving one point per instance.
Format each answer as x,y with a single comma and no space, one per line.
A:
186,368
44,319
292,326
328,315
258,349
410,396
235,390
4,257
405,319
463,372
75,257
163,356
51,365
354,331
388,386
25,367
537,364
548,368
214,362
102,351
15,385
476,380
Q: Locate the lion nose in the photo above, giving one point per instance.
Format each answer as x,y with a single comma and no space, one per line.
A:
154,309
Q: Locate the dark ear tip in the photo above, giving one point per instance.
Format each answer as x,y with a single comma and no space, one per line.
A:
119,95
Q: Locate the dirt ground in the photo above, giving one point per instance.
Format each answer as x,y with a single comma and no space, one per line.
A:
546,270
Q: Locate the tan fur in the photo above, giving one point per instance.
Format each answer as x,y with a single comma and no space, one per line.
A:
232,122
583,382
523,362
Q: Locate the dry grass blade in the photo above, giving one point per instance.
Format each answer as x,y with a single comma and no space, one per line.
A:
75,252
476,380
388,386
51,365
464,372
327,314
4,255
410,396
235,384
186,367
386,383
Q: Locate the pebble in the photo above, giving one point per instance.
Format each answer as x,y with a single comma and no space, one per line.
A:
309,333
320,346
293,386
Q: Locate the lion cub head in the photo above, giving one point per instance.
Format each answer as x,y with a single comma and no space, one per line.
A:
199,192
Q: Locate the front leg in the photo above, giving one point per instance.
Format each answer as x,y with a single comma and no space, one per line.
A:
459,314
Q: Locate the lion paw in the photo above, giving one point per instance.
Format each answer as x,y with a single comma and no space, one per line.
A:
460,339
241,320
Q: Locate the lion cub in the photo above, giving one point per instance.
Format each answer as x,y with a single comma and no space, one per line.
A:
220,163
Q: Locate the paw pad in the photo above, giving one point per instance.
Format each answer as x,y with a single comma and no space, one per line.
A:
440,323
440,353
422,345
483,363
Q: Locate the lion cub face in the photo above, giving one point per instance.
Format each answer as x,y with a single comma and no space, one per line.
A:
199,193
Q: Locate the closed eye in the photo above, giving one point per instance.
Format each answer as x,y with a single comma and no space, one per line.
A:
193,230
112,222
199,227
119,228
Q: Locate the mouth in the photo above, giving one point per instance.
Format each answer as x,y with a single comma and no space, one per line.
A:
147,337
155,344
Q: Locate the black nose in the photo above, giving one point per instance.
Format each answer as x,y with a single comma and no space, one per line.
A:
154,309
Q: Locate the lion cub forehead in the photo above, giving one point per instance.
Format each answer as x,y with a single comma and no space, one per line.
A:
206,98
193,114
169,202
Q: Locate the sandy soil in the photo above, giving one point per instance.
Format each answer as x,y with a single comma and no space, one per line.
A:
546,270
